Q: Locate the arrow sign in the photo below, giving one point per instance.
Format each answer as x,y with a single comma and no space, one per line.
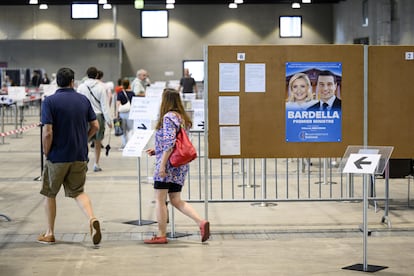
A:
198,119
201,125
142,126
360,162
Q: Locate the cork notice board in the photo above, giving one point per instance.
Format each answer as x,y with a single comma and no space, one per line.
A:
262,115
391,99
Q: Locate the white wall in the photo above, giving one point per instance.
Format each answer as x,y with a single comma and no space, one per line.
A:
391,22
191,27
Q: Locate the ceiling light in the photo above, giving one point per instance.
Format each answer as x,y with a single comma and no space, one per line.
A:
233,6
306,1
33,2
238,1
43,7
170,1
102,2
169,6
139,4
295,5
107,6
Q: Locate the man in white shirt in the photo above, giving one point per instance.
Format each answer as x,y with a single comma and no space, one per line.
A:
140,83
95,92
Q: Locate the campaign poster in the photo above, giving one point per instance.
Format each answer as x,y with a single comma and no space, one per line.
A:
313,102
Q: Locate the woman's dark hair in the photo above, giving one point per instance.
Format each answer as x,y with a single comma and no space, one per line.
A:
125,83
64,77
171,101
99,75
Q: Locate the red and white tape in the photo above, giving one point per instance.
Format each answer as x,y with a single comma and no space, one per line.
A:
19,130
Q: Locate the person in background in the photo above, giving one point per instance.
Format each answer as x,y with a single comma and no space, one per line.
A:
8,81
36,79
96,94
53,80
119,87
187,83
45,79
68,121
107,88
122,98
140,83
168,179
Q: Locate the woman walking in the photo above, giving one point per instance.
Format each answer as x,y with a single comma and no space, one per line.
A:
168,179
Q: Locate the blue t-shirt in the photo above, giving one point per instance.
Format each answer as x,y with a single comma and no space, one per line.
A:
121,96
69,113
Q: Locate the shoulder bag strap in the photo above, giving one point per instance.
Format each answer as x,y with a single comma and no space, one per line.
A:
126,95
93,95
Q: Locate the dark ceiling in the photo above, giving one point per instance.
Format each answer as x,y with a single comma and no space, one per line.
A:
160,2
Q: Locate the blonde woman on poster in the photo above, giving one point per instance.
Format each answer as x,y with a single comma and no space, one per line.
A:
300,93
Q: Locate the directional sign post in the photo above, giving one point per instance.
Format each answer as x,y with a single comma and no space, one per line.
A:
362,163
134,148
365,160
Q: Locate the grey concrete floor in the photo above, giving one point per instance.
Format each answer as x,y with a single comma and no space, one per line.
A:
288,238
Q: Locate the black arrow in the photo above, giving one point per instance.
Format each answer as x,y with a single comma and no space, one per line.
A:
142,126
201,124
360,162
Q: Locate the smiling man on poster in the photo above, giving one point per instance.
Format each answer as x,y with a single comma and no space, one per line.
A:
326,86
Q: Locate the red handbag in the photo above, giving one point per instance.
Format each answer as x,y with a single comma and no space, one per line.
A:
184,151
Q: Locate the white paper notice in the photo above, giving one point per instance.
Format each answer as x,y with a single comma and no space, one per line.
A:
198,114
197,104
230,140
49,89
229,113
255,77
229,77
198,119
137,143
17,93
144,110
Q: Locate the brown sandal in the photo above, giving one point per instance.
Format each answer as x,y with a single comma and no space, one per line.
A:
95,231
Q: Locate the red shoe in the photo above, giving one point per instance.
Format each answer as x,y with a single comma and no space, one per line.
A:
205,230
156,240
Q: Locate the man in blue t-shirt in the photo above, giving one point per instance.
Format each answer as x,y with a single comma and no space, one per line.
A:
68,122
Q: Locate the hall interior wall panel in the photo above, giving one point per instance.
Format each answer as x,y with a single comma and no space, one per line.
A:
391,99
77,54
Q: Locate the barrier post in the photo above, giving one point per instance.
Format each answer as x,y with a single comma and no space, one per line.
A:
367,160
41,154
140,221
2,122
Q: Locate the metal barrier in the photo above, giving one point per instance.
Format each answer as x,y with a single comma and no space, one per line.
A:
250,180
14,116
8,114
271,179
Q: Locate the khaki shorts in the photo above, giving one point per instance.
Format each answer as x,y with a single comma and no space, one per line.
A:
101,132
71,174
